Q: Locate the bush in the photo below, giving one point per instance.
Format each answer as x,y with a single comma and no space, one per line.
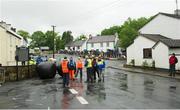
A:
153,64
145,64
132,62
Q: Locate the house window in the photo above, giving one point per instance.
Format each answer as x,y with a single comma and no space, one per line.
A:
101,44
107,44
92,44
147,53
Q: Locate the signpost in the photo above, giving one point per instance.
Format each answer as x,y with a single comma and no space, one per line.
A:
22,55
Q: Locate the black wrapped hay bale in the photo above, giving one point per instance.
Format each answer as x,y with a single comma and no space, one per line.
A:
46,70
59,70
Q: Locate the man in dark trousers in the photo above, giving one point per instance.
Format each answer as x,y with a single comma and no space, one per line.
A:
88,65
172,62
65,70
95,68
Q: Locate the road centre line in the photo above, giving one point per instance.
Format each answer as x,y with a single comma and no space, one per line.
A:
82,100
79,98
73,91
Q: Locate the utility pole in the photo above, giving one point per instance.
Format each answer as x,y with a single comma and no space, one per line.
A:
53,40
176,11
176,4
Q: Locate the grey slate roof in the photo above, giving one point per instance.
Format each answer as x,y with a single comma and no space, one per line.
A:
172,43
75,43
171,15
99,39
154,37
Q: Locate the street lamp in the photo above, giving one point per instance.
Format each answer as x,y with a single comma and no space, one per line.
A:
53,40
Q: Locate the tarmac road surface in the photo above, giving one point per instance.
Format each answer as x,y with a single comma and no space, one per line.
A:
120,90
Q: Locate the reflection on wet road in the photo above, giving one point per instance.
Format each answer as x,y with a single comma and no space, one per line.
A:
120,90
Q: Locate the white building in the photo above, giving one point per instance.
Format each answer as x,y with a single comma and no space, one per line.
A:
102,43
76,45
8,42
157,40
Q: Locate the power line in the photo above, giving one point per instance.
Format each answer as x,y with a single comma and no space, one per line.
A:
97,9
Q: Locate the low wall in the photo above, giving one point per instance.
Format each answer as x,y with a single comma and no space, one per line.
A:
12,73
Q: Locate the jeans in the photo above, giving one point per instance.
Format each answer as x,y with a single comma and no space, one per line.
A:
65,79
89,75
95,70
172,70
79,70
101,74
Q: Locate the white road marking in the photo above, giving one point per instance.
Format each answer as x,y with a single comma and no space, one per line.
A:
29,100
48,108
39,104
82,100
44,98
73,91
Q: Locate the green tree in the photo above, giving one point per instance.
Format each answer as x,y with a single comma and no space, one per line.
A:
24,34
67,37
128,31
111,30
128,34
56,38
81,37
38,39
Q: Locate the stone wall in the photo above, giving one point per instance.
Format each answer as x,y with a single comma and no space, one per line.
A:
23,73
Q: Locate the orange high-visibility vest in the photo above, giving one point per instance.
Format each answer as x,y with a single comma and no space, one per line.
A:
79,64
64,65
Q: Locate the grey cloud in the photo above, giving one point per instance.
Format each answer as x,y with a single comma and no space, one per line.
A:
80,16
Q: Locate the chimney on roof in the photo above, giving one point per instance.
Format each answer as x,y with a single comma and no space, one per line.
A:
6,26
177,12
90,36
3,24
13,29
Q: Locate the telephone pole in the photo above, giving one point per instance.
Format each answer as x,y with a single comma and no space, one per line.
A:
53,40
176,4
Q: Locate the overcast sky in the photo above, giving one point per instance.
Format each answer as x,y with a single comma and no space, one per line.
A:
79,16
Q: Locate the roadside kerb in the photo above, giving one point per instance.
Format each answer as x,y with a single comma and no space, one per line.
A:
139,72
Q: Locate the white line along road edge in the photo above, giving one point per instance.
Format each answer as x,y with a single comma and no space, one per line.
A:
82,100
73,91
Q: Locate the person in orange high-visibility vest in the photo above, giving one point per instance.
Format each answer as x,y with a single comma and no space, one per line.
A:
79,66
65,70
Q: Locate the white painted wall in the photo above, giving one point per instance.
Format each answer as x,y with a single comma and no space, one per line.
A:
8,44
176,51
101,48
166,26
83,47
135,51
160,55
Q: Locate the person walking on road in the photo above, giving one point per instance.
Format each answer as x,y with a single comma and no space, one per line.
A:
79,65
88,65
172,62
72,68
65,70
101,68
95,68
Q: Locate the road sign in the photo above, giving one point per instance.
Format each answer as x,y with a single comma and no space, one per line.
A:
22,54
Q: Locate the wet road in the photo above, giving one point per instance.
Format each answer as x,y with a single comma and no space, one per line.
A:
120,90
